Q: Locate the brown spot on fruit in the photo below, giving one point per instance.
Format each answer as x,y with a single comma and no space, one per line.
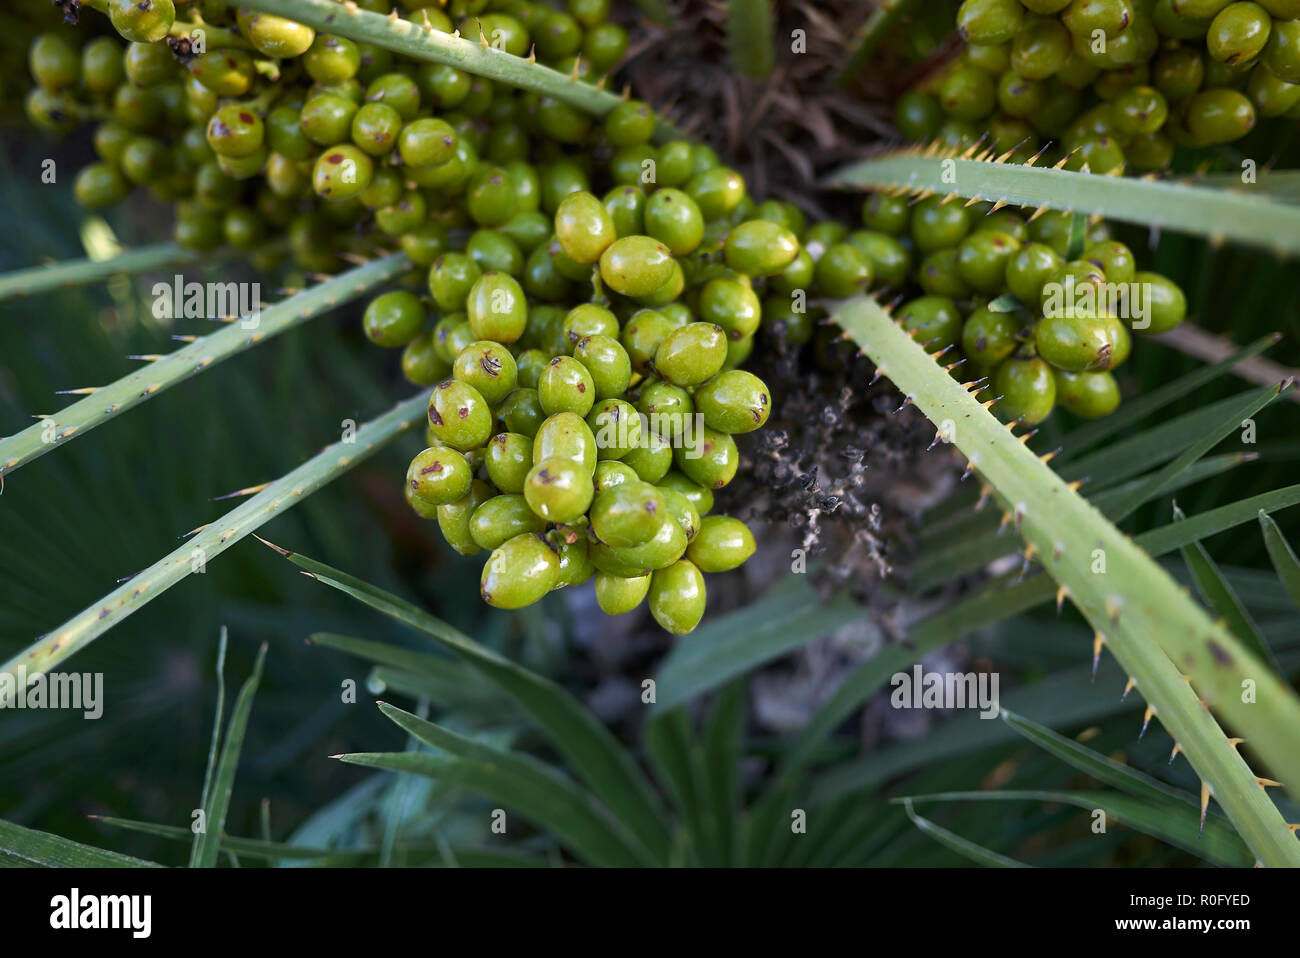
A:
463,412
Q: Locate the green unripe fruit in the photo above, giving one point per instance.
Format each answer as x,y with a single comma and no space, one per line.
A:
843,271
759,248
587,319
1165,300
723,544
584,227
439,476
669,291
509,457
626,208
642,336
1076,343
890,260
604,45
1114,259
1239,33
575,561
459,416
734,402
1112,17
375,128
708,457
566,386
630,123
332,60
519,572
452,276
636,265
677,597
489,367
327,119
606,362
490,198
682,511
1040,48
717,191
521,411
235,130
1102,155
1282,9
142,21
1272,96
145,64
393,319
342,172
886,214
144,160
1282,54
406,216
244,167
939,276
565,436
459,337
666,546
936,319
529,229
732,305
698,496
397,90
277,37
102,66
918,116
224,72
968,93
692,354
610,473
98,185
989,21
421,364
982,260
1027,388
616,426
197,229
674,218
987,337
628,514
1218,116
497,307
1087,395
937,225
617,595
501,518
426,142
1066,292
666,408
558,490
653,458
454,518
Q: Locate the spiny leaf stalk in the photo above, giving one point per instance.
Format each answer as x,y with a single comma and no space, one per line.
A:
146,382
1147,622
216,537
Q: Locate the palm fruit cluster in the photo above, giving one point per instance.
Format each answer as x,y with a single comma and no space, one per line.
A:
268,128
587,442
1110,84
1016,300
583,348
